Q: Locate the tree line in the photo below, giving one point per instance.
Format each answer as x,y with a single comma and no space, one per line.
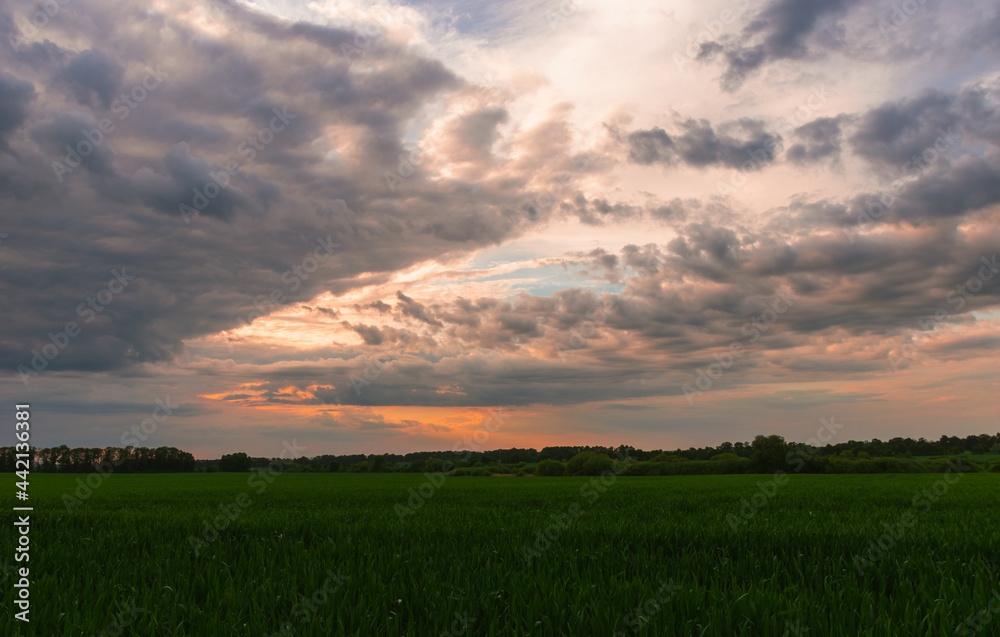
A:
849,451
764,454
65,459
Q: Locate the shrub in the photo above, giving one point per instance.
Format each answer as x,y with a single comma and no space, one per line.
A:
480,472
664,457
550,468
725,457
588,463
646,469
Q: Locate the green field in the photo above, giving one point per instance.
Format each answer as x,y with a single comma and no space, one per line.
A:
650,556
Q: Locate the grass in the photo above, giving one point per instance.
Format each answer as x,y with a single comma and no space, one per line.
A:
789,568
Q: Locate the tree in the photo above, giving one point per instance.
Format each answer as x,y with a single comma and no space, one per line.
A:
235,462
769,453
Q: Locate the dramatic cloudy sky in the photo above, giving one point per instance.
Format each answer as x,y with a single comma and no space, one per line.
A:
655,223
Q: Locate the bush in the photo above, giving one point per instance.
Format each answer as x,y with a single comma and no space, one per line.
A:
646,469
480,472
725,457
664,457
550,468
588,463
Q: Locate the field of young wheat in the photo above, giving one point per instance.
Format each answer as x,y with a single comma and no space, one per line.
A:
334,554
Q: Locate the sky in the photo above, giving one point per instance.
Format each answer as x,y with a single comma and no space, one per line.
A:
392,227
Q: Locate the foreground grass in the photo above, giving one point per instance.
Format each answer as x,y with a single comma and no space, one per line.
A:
652,556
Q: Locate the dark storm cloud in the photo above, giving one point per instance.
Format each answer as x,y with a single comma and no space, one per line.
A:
896,133
782,30
70,130
597,211
263,226
968,185
369,333
816,141
184,175
93,76
15,97
699,145
414,309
